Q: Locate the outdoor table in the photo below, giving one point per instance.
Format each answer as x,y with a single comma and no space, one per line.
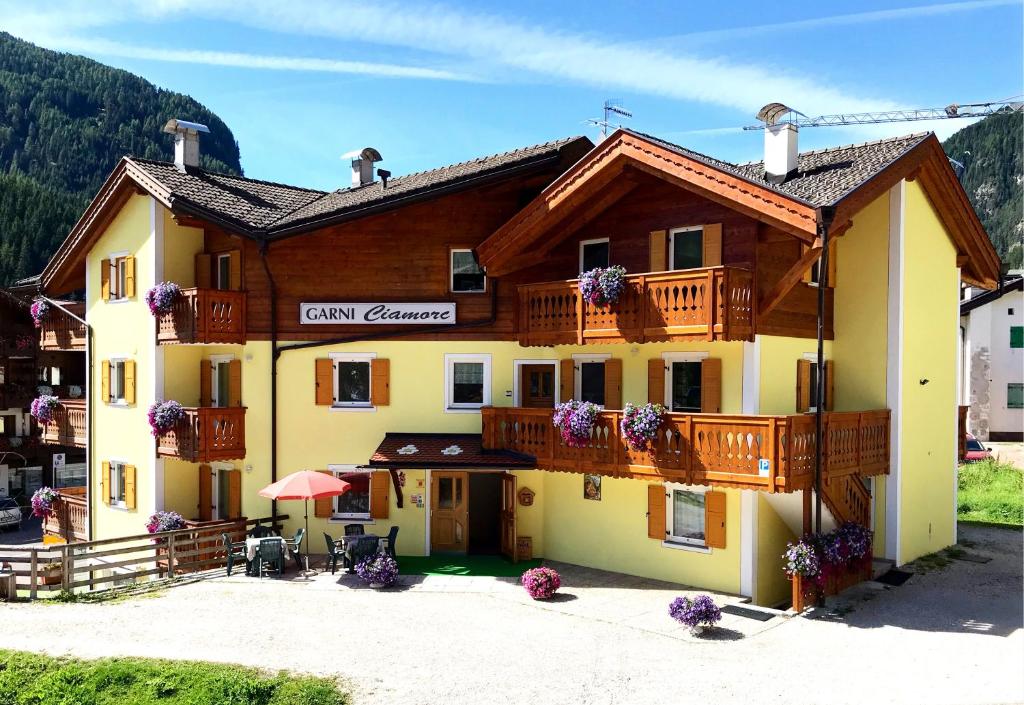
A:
346,541
252,546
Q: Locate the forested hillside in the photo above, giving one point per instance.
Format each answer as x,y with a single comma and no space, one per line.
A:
64,122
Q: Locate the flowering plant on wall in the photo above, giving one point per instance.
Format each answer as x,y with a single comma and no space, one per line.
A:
42,408
640,424
163,415
817,557
378,570
161,297
39,309
42,502
601,286
164,521
541,583
697,613
24,342
575,420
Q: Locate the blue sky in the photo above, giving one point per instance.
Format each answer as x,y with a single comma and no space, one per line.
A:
303,81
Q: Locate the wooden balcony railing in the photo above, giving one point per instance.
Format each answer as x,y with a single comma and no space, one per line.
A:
204,316
70,516
717,449
716,303
205,435
68,427
59,331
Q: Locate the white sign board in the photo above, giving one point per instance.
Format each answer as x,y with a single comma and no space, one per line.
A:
377,314
764,466
58,460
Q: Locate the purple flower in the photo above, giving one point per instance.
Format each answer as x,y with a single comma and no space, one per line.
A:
600,287
640,424
164,415
380,569
164,521
161,297
42,502
39,309
698,612
575,420
802,559
42,408
541,583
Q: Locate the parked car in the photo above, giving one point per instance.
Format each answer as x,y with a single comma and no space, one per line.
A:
10,513
975,450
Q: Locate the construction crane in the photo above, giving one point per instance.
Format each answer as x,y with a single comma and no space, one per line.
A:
954,110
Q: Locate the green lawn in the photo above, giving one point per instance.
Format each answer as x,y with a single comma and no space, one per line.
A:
991,492
474,565
31,679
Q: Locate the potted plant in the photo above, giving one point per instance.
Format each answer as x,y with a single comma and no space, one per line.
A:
640,424
575,420
541,583
602,286
379,570
164,415
39,309
42,408
162,297
43,500
51,573
699,613
164,521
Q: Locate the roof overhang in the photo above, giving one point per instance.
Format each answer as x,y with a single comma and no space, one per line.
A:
453,451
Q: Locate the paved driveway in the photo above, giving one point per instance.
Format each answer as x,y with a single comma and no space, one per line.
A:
952,635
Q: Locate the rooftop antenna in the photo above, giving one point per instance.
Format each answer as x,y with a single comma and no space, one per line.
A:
611,106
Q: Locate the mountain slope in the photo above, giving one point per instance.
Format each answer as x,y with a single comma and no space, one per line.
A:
991,150
64,122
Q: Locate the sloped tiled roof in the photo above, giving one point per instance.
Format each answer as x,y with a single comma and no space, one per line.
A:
443,450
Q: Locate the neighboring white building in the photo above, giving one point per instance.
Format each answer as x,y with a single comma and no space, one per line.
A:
992,369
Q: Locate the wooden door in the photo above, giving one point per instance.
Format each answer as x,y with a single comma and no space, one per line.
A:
449,502
537,386
508,516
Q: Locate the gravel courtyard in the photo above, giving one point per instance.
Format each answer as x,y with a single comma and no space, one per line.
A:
949,635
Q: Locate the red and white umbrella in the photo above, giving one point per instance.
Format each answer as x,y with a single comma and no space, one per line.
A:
306,485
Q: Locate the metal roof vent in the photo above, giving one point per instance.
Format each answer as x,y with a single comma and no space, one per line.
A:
186,141
362,165
780,141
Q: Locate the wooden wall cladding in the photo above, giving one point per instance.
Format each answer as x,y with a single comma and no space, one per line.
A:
797,315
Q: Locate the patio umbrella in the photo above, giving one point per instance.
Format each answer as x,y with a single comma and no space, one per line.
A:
306,485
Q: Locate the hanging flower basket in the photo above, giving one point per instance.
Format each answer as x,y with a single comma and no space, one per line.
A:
575,420
161,298
39,309
640,424
378,571
43,500
601,287
164,521
698,614
541,583
164,415
42,408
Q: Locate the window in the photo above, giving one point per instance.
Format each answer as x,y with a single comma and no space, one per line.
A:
1017,336
594,254
223,495
117,484
121,277
223,272
467,381
354,504
353,382
591,382
685,514
686,250
1015,395
117,382
467,276
684,386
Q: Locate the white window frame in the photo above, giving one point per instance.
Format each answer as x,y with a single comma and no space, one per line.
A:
117,479
669,358
451,407
117,400
517,377
350,517
215,360
672,244
679,542
217,468
451,272
595,241
368,358
577,379
115,277
813,359
218,284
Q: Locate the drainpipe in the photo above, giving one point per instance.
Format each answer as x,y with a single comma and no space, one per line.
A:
264,245
824,216
88,411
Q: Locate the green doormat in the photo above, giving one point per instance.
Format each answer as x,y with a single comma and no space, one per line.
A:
453,564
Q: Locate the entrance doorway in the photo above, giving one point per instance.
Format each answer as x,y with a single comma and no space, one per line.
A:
473,512
484,512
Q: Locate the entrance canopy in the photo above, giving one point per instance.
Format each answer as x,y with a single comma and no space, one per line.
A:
454,451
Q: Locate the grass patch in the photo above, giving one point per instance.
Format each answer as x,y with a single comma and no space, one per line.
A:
991,492
32,679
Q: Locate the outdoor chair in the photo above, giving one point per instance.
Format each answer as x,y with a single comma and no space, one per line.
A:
271,556
359,549
391,538
260,532
333,553
295,547
234,551
354,530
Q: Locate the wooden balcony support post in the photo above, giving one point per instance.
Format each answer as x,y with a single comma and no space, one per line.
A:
711,304
772,454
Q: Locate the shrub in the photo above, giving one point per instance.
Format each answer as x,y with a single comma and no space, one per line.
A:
699,612
575,420
378,569
541,583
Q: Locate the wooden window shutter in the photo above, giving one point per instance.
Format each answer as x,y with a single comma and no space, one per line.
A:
105,279
711,385
324,381
204,270
613,383
105,381
656,380
205,493
205,383
803,386
829,385
234,494
129,277
235,266
567,379
714,519
129,381
235,383
713,245
380,382
129,486
105,483
658,250
323,508
380,483
656,526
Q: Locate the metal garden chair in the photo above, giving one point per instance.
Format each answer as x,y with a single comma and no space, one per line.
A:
271,555
234,552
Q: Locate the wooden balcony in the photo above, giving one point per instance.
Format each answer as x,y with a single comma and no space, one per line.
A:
70,516
68,427
704,449
59,331
205,435
204,316
716,303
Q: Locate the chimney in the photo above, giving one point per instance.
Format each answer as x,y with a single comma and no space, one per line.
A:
780,141
362,165
186,142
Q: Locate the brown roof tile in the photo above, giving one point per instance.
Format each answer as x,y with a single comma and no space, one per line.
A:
443,450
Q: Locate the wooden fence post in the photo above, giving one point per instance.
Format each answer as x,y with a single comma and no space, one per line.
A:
170,556
65,572
33,574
